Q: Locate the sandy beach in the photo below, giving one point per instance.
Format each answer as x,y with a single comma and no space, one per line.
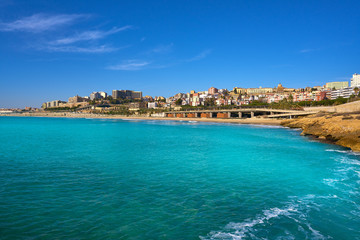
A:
262,121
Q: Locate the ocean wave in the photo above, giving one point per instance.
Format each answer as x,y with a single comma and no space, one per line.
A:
330,182
349,161
241,230
339,151
295,212
132,119
350,152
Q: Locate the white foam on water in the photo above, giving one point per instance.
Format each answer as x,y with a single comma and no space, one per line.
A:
315,233
296,211
349,161
133,119
241,230
339,151
330,182
350,152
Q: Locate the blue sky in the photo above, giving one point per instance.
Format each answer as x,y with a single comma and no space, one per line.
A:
57,49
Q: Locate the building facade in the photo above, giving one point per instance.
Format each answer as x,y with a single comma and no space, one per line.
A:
337,85
212,90
52,104
152,104
98,95
259,90
343,92
126,94
77,99
355,81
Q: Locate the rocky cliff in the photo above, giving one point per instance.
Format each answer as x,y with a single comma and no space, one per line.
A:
341,128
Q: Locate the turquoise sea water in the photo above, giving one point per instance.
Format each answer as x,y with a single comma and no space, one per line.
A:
117,179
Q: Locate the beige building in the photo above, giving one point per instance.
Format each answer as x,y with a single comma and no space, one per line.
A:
238,90
259,90
337,85
77,99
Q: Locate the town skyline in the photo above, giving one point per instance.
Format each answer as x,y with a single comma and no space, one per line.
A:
236,96
322,87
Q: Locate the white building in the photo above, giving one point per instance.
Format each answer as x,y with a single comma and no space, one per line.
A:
95,95
103,94
343,92
152,104
355,81
98,95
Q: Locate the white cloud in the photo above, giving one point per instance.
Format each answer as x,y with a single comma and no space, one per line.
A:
40,22
162,48
130,65
89,35
307,50
75,49
200,56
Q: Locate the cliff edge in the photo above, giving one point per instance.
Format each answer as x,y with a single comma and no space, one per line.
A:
341,128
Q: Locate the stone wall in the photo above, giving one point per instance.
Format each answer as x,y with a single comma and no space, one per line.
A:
348,107
344,108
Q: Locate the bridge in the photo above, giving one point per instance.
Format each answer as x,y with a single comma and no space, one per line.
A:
238,113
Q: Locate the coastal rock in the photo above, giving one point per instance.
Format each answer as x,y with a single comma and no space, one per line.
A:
342,129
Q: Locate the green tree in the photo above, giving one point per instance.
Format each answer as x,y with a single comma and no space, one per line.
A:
209,102
178,102
291,98
356,90
340,100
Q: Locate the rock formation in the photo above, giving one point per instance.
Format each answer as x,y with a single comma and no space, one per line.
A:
341,128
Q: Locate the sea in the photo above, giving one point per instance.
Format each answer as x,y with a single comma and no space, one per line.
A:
63,178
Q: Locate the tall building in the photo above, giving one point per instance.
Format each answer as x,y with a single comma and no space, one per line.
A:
136,95
337,85
355,81
126,94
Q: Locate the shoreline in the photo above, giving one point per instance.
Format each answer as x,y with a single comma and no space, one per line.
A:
293,123
260,121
